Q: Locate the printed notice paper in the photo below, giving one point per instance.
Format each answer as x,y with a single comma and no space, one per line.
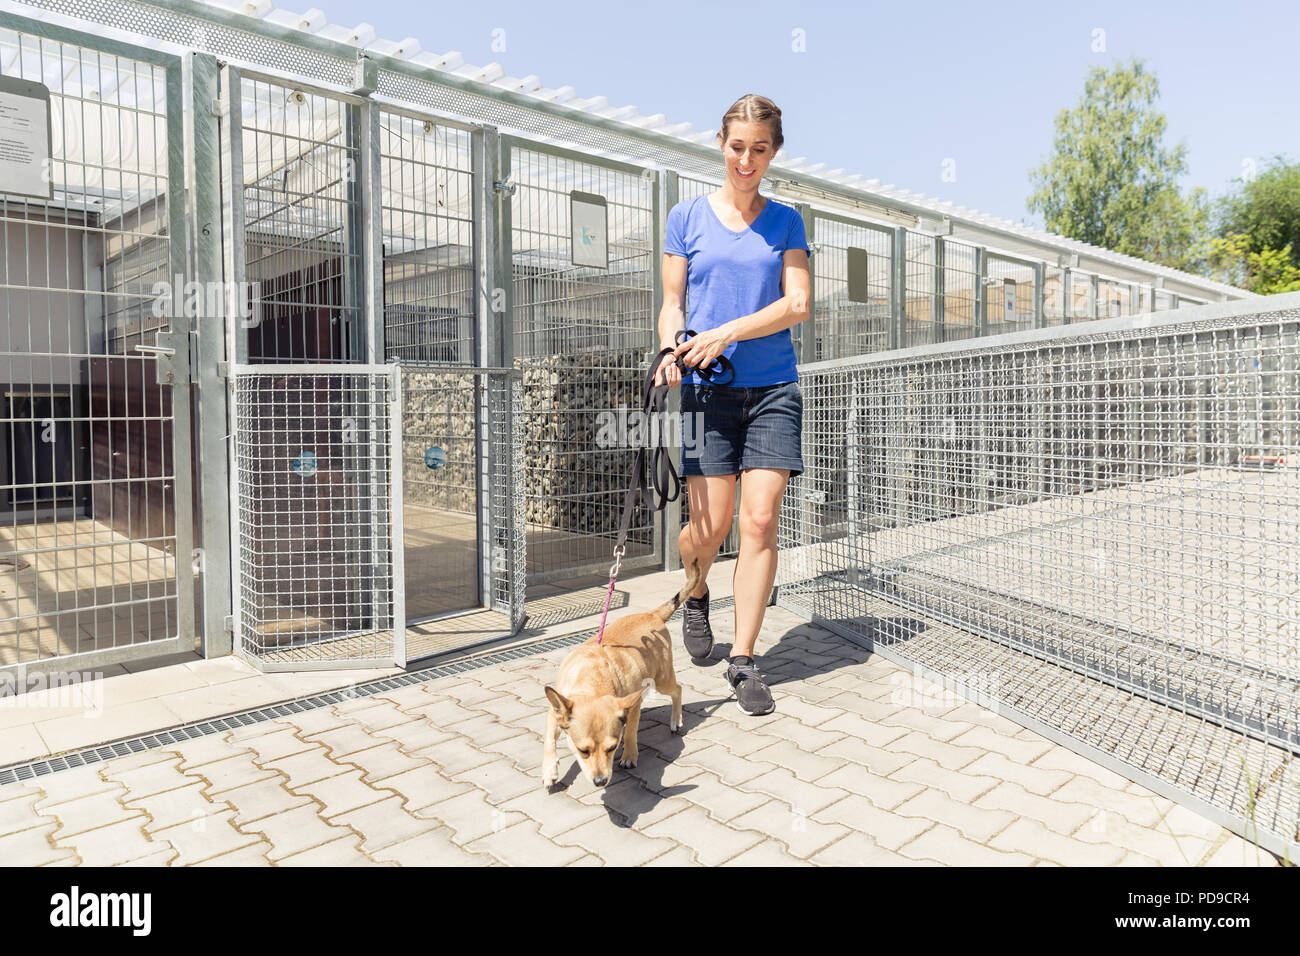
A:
24,138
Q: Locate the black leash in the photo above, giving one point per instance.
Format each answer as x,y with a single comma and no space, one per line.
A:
654,403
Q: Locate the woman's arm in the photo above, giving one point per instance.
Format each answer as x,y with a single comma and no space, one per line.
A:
787,311
672,319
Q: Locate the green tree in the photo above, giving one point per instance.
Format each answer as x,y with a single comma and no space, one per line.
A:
1111,181
1258,242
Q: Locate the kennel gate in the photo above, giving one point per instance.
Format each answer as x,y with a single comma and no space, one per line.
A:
99,564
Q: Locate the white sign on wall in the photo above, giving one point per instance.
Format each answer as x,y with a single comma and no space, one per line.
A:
25,138
589,221
1009,299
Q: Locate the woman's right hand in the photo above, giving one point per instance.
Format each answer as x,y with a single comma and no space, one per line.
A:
668,371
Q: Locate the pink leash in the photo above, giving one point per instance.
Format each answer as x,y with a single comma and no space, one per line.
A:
609,592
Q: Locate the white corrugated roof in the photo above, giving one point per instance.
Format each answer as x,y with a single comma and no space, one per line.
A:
363,36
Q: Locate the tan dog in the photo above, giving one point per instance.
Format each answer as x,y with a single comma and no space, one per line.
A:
597,695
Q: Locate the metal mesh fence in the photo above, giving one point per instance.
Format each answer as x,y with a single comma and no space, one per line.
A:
960,284
1010,295
94,556
428,240
920,311
582,338
845,327
302,224
313,515
1099,532
462,491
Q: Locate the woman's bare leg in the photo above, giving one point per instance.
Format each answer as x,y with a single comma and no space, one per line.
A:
760,503
712,499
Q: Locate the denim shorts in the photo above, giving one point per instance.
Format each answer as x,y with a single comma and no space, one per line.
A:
754,427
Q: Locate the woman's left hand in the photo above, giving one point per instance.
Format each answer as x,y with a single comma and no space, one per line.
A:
701,349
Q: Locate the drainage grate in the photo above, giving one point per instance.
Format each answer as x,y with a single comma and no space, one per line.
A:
203,728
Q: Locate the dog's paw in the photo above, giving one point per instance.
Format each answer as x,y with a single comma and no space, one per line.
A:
550,776
627,760
676,728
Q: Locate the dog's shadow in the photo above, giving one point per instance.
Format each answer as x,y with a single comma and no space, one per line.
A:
634,791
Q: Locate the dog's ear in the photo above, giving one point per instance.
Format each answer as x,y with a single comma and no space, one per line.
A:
625,704
562,706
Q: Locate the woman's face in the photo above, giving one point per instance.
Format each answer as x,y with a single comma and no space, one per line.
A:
747,153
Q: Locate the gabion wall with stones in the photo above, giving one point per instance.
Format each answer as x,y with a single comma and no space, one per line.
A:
573,483
438,417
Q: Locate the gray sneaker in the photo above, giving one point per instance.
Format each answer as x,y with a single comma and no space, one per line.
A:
696,633
752,695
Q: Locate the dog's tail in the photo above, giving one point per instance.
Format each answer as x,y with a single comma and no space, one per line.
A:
666,610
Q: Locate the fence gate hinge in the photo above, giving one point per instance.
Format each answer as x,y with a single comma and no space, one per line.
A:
223,370
230,624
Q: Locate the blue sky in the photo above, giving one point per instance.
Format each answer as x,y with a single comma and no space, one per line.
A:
892,90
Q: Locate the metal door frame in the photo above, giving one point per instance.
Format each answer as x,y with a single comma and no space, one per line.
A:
171,350
505,189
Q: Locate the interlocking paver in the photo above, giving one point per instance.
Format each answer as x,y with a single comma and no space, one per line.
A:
1108,828
500,780
469,816
1238,852
113,844
308,767
857,849
713,842
341,793
1059,815
1029,836
878,760
864,762
732,770
554,812
787,729
384,760
253,801
1037,780
383,823
414,735
522,845
455,755
19,812
32,847
1139,809
801,836
884,792
974,823
431,848
767,853
804,764
615,845
344,851
88,813
1013,748
958,784
278,740
293,831
182,805
874,734
949,756
946,845
234,771
805,796
887,829
205,837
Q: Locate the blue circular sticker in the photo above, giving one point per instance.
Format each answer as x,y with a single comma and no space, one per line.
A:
435,457
305,464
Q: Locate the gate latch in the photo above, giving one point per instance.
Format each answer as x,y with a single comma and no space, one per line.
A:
165,354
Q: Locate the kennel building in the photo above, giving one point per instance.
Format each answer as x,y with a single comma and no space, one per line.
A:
305,330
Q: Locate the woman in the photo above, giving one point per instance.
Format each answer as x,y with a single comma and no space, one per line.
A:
743,259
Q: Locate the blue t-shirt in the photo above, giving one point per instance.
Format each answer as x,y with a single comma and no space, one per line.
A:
733,274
